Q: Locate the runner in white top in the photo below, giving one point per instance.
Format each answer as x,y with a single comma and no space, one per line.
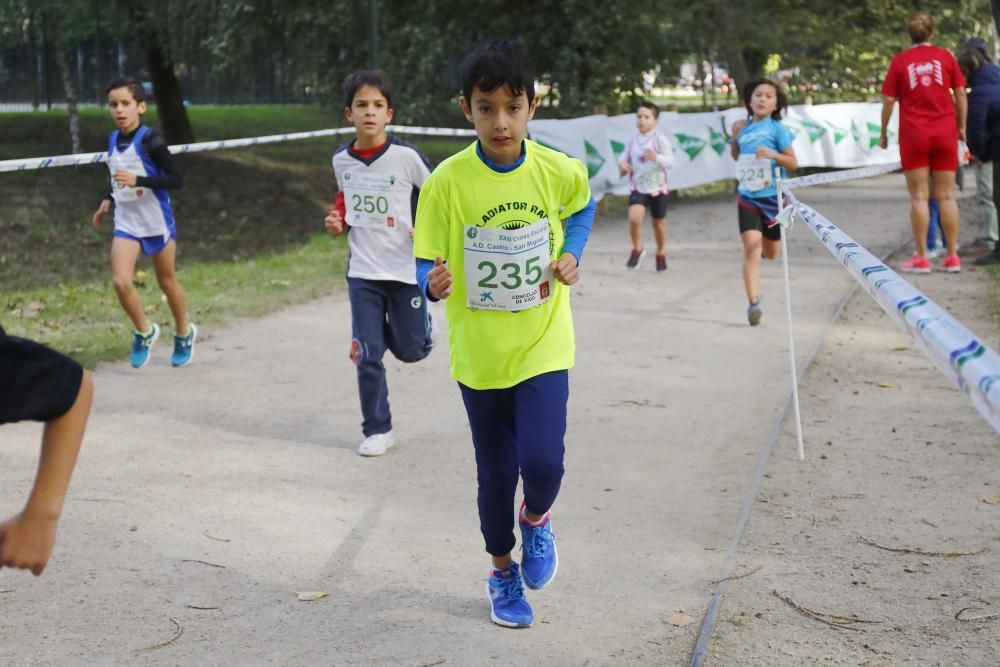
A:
378,181
142,171
647,158
378,191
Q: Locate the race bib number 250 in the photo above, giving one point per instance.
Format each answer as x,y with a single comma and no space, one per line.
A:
507,269
367,198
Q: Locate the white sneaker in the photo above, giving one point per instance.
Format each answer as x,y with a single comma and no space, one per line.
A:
377,445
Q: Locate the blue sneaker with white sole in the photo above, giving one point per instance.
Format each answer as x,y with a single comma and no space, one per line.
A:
142,343
539,558
508,607
184,346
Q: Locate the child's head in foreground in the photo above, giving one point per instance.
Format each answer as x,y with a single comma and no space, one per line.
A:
498,96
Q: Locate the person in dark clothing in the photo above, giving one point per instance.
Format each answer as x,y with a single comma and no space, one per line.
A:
983,131
39,384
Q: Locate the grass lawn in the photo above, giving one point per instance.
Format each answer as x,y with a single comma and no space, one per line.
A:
250,226
84,319
234,203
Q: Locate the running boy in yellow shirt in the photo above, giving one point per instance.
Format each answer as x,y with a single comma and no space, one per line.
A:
489,238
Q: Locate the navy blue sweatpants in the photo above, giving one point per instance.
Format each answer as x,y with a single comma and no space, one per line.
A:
385,315
517,431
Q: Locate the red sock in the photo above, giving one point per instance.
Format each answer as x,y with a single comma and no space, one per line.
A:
524,518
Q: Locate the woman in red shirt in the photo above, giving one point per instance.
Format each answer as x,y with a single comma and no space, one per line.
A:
930,88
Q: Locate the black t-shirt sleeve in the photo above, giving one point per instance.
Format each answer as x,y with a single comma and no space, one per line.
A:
38,383
156,148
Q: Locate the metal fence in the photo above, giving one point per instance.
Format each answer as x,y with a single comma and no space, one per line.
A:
30,79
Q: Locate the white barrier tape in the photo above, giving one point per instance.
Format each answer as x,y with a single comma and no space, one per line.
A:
971,365
96,158
840,176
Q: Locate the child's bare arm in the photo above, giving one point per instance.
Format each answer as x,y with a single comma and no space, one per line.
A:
734,145
786,159
26,540
101,211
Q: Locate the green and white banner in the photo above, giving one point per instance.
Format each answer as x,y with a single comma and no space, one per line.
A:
826,135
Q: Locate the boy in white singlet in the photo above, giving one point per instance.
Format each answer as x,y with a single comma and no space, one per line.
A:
142,170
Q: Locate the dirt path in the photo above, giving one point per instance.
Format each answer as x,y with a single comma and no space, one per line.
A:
233,484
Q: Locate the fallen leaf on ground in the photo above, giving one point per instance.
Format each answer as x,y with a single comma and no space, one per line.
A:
310,596
887,385
679,619
991,500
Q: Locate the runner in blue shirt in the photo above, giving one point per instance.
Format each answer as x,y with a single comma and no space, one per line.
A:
762,148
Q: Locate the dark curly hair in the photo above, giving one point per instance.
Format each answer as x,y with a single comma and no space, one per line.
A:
751,86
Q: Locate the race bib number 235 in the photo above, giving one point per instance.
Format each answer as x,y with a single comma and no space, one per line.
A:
507,269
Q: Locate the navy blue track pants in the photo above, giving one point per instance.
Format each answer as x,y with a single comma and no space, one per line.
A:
517,431
385,315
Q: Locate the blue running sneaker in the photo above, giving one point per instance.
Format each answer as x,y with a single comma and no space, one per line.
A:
539,558
754,313
507,604
184,346
142,344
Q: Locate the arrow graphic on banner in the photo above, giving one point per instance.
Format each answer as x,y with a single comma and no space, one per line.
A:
594,159
690,145
873,134
838,132
718,140
617,148
814,130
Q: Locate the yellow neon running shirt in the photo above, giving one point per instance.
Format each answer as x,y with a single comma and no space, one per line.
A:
492,349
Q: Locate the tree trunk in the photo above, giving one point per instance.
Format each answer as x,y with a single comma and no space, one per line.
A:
54,22
701,79
33,57
46,78
731,45
67,80
174,122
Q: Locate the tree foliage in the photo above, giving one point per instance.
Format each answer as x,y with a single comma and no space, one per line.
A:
586,53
